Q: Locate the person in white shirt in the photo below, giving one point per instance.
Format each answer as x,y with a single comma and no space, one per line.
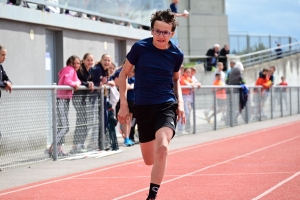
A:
220,71
193,75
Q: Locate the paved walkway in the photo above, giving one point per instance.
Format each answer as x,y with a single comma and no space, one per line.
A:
46,170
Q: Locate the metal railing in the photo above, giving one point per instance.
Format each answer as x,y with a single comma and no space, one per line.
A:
136,13
243,43
250,59
267,55
32,118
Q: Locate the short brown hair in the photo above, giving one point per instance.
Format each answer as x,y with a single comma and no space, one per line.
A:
165,16
2,48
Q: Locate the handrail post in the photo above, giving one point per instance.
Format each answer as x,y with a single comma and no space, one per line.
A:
215,108
102,131
271,97
231,107
260,103
194,113
290,94
54,124
298,91
281,109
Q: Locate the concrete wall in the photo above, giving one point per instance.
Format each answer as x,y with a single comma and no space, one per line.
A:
289,67
25,63
206,25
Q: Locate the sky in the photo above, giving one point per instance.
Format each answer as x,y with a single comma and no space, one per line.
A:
264,17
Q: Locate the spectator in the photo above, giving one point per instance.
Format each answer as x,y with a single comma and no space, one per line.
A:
235,77
130,101
193,72
232,64
220,71
99,78
224,53
79,101
278,51
173,7
221,97
283,93
259,98
67,76
213,55
187,98
4,80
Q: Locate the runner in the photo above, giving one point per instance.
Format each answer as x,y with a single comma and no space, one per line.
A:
158,98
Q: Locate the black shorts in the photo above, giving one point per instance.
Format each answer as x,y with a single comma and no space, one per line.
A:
150,118
130,106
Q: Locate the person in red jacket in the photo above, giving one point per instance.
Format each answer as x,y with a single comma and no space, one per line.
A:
258,98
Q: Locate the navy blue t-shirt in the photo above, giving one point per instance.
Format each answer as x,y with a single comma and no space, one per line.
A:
173,8
98,73
154,70
131,80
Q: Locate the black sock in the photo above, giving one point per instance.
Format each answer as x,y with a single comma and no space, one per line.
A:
153,191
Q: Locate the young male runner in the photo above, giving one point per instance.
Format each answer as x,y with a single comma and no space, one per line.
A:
158,98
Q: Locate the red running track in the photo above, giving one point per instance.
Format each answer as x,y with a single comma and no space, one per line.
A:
259,165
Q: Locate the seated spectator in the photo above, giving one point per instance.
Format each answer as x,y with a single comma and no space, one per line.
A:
213,55
224,53
278,51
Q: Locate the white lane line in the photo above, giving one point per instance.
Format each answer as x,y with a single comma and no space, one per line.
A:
140,160
211,166
197,175
276,186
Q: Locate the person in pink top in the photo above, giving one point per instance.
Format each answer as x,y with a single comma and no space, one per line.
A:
67,76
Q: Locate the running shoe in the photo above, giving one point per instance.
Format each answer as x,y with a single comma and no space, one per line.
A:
127,142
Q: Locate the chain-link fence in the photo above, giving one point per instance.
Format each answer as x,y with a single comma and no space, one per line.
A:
37,124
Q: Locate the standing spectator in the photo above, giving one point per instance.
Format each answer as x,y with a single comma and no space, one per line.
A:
67,76
100,77
224,53
79,101
213,55
130,102
4,80
157,109
259,99
193,73
283,93
232,64
235,77
187,96
278,51
173,7
221,97
220,71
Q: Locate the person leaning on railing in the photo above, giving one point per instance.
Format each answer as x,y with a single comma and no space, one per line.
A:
67,76
235,77
213,55
79,101
4,80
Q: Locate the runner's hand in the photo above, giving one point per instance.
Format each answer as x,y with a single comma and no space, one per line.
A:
180,113
123,115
